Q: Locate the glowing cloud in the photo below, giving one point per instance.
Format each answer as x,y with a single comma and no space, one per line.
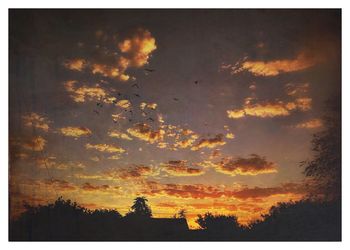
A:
270,109
252,165
296,89
138,47
201,191
105,148
84,93
180,168
119,135
124,104
210,143
75,131
135,51
75,64
144,105
313,123
132,172
230,136
52,163
144,132
263,192
36,144
35,120
275,67
93,188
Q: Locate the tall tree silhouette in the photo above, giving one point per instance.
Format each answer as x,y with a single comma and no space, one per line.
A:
325,167
140,208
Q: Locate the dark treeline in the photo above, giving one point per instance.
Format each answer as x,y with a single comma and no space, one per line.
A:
66,220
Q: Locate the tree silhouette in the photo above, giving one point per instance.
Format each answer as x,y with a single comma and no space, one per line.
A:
218,223
140,208
181,214
325,168
301,220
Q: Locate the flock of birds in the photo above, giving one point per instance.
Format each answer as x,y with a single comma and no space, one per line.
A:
126,97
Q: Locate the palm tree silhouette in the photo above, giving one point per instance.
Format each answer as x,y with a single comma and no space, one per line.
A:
141,208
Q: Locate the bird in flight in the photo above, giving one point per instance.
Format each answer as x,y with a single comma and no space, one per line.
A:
135,85
196,82
137,95
150,70
175,99
96,111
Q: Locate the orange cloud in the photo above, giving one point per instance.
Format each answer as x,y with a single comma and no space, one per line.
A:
75,131
124,104
144,132
230,136
201,191
296,89
196,191
52,163
313,123
180,168
275,67
36,144
209,143
252,165
259,192
109,71
135,51
35,120
304,103
85,93
138,47
117,117
75,64
119,135
144,105
132,172
57,184
185,143
114,157
89,187
105,148
270,109
214,205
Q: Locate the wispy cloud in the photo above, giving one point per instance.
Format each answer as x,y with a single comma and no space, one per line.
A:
35,144
310,124
34,120
302,61
105,148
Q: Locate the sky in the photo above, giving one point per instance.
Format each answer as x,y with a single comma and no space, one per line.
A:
202,110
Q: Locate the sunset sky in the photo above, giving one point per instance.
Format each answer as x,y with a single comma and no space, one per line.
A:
203,110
